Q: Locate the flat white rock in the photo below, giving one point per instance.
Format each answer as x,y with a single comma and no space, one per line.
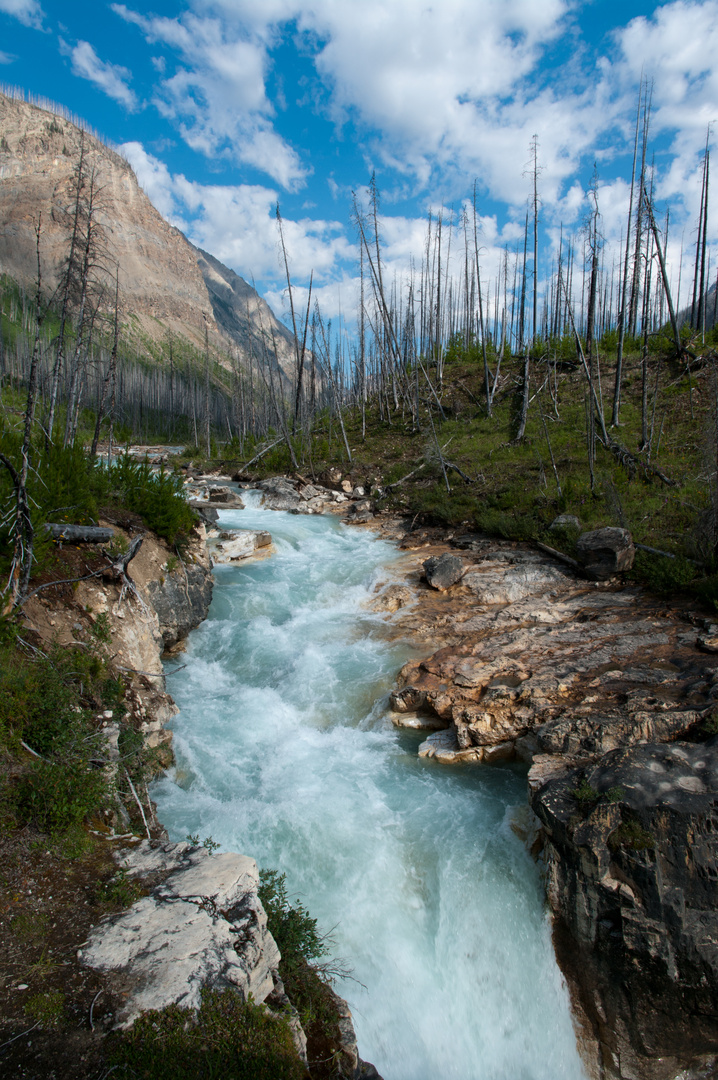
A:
202,926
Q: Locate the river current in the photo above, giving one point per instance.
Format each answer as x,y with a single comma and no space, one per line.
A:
284,752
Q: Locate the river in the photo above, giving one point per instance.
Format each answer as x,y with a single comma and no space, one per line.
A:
284,752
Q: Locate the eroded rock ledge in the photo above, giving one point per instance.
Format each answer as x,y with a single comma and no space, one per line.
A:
632,879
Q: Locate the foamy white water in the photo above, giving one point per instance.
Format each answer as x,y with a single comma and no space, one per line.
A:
284,753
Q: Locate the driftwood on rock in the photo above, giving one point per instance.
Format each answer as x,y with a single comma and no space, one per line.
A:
117,569
80,534
559,555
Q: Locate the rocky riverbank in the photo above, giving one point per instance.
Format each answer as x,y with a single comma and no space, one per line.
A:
610,697
607,695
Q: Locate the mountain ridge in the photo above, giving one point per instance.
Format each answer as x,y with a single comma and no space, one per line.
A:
166,283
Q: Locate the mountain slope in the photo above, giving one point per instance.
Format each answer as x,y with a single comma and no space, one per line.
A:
241,312
166,284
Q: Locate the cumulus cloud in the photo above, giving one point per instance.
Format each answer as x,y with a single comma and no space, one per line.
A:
217,96
112,79
236,223
155,178
429,101
676,48
28,12
434,108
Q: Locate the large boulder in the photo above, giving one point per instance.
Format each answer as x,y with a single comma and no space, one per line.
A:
565,521
605,552
225,498
443,571
360,512
279,493
202,926
207,513
332,478
238,544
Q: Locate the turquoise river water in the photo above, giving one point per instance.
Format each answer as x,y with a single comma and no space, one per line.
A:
284,752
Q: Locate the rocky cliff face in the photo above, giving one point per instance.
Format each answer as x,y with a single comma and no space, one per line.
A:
171,603
242,314
166,284
632,870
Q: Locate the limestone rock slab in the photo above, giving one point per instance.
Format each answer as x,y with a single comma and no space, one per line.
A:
203,925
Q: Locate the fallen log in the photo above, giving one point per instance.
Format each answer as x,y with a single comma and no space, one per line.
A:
560,555
80,534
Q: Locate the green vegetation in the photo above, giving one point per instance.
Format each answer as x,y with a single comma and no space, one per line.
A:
208,843
227,1038
48,1009
119,891
587,797
291,925
584,794
66,486
304,976
156,496
710,724
632,836
50,732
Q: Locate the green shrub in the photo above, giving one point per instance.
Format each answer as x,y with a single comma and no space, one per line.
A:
56,795
48,702
291,925
228,1039
584,794
631,834
120,890
710,723
301,946
157,497
664,576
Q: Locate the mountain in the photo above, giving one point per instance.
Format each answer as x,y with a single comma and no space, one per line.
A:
241,312
166,284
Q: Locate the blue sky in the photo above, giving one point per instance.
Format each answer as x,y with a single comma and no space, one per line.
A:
226,106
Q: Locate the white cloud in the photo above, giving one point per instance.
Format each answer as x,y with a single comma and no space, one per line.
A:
155,179
28,12
236,223
434,107
110,78
429,100
217,96
6,58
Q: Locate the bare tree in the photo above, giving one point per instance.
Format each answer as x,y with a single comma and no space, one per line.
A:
21,566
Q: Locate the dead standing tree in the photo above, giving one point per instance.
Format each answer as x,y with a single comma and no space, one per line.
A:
68,282
89,295
22,531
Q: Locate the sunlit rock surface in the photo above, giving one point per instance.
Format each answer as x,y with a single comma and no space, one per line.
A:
608,696
202,925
